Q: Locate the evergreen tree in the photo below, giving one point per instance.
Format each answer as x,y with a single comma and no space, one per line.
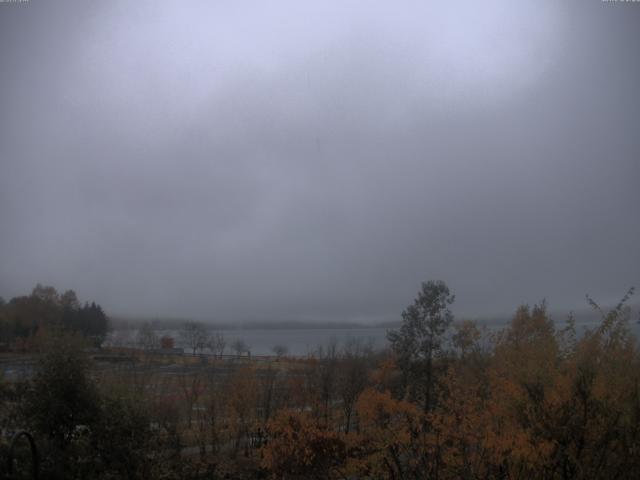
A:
419,339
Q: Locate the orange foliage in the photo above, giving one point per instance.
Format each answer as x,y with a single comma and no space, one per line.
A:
299,447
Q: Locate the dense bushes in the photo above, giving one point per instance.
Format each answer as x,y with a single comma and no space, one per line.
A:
82,431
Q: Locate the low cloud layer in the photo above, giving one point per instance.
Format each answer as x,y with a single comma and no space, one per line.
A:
237,160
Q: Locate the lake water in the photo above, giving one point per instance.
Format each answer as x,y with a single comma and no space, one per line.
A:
305,341
261,342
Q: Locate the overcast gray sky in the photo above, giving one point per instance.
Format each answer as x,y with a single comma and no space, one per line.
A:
236,160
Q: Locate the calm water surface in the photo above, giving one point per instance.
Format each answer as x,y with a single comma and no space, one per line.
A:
306,341
261,342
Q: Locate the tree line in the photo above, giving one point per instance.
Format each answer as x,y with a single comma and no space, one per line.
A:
447,400
24,320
